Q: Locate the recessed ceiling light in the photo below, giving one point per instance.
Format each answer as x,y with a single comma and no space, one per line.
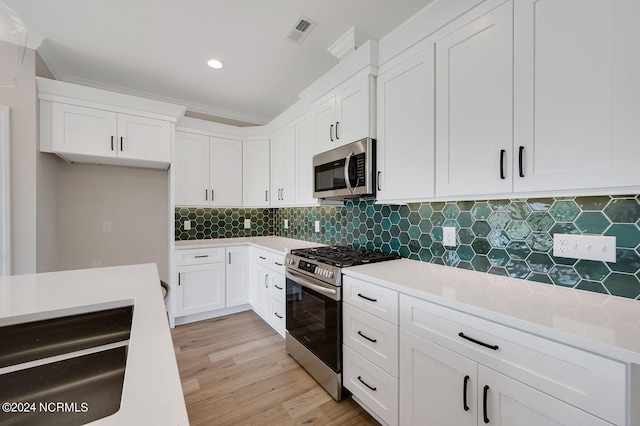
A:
214,63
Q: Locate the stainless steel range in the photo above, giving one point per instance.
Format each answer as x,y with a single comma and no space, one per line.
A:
314,308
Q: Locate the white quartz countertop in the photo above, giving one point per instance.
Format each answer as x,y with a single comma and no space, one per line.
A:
277,244
152,392
608,325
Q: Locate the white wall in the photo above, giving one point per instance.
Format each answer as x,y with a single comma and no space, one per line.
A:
135,202
22,101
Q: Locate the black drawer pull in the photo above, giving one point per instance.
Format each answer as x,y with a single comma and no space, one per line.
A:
367,298
279,264
484,403
111,143
179,281
366,384
278,287
276,314
366,337
486,345
464,394
201,256
263,258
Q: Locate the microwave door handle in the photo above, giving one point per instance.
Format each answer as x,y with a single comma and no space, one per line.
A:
346,173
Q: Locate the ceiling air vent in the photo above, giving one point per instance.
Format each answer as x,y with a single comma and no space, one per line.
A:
300,29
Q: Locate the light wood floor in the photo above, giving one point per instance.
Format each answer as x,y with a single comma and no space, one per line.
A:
235,371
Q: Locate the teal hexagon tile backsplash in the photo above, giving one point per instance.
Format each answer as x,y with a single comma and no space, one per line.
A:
505,237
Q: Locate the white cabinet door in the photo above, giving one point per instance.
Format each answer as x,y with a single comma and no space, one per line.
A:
576,94
283,168
225,171
406,129
354,112
264,284
509,402
238,276
191,169
435,383
474,106
201,288
80,130
255,167
142,138
306,148
325,123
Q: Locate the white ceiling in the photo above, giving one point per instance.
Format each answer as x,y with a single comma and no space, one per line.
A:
159,48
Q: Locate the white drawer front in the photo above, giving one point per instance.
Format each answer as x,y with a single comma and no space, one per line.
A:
371,298
263,257
199,256
278,287
371,337
276,262
276,315
375,388
590,382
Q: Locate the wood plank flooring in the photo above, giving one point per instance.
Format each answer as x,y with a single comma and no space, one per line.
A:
236,371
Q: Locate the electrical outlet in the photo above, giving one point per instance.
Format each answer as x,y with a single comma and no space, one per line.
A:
588,247
449,236
317,226
247,223
187,225
106,226
286,224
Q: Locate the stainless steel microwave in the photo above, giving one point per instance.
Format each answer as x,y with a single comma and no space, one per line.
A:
345,172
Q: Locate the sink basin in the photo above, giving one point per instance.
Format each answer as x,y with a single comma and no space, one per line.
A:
70,369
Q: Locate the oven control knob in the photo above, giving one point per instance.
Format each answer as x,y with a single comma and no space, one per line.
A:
317,270
330,274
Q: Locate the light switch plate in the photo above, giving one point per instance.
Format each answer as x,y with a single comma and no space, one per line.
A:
588,247
449,236
187,225
286,224
247,223
317,226
106,226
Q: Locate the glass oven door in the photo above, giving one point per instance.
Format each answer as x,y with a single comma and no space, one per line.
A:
314,317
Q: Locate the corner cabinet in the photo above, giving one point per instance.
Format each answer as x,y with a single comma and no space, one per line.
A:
255,173
346,115
237,275
306,148
268,288
208,171
82,124
406,127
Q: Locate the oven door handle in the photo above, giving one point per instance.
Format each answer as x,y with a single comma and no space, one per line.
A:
305,282
346,172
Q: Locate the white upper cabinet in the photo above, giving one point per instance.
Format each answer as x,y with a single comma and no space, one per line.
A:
283,168
346,116
474,106
576,93
208,171
306,148
255,178
406,129
87,125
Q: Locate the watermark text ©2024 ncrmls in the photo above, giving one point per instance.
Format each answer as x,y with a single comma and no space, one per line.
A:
45,407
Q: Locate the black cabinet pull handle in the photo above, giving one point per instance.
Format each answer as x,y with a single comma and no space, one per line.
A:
337,124
367,298
502,151
464,394
278,287
478,342
279,264
179,283
520,152
206,195
484,403
213,195
378,185
121,143
367,385
111,142
366,337
229,258
331,132
263,258
265,195
201,256
276,314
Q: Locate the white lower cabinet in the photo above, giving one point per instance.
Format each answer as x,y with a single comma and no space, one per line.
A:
441,387
268,288
201,283
237,271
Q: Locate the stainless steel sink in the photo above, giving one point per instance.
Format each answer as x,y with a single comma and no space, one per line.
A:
70,370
